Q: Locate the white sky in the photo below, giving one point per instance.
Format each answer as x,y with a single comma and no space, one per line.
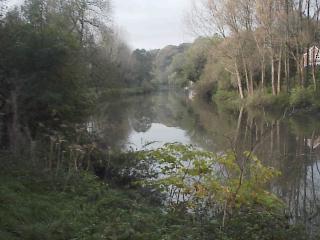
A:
150,23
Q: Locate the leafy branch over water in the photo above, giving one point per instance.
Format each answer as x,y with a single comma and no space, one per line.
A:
212,184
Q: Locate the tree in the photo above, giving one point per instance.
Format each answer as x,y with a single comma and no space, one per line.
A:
264,40
46,64
142,64
163,60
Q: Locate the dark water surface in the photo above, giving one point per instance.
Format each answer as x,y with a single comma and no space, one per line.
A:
290,144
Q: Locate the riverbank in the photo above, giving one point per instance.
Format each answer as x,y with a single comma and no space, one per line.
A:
126,92
298,100
41,204
73,206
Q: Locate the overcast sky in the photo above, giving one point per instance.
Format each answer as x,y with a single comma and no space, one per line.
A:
152,23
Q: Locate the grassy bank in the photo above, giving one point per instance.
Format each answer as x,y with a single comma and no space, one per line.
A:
298,100
76,206
81,209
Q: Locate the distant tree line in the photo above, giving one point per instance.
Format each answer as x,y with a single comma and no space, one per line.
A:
171,66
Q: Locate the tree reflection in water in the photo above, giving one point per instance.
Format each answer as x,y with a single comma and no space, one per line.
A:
289,143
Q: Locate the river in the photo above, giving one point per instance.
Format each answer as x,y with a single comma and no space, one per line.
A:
291,144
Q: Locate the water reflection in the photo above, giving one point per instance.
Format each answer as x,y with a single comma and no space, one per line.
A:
290,144
156,136
138,121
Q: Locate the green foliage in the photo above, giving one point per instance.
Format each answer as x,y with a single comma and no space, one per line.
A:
196,59
199,179
230,100
188,65
227,99
125,92
257,224
55,62
177,75
38,204
142,65
74,205
268,101
302,97
41,76
163,72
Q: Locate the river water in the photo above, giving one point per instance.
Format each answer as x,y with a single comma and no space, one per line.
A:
291,144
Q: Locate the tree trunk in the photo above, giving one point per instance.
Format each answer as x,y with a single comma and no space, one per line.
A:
287,56
239,81
247,76
314,77
314,66
273,76
301,65
14,126
263,69
287,71
239,125
251,82
279,72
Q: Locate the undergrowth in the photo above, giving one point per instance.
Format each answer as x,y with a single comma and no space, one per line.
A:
43,205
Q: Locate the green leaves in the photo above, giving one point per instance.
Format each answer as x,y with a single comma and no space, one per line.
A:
227,181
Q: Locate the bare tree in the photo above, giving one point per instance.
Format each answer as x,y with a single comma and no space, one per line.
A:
266,35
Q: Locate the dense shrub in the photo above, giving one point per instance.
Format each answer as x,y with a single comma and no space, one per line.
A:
301,97
267,100
262,225
227,99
